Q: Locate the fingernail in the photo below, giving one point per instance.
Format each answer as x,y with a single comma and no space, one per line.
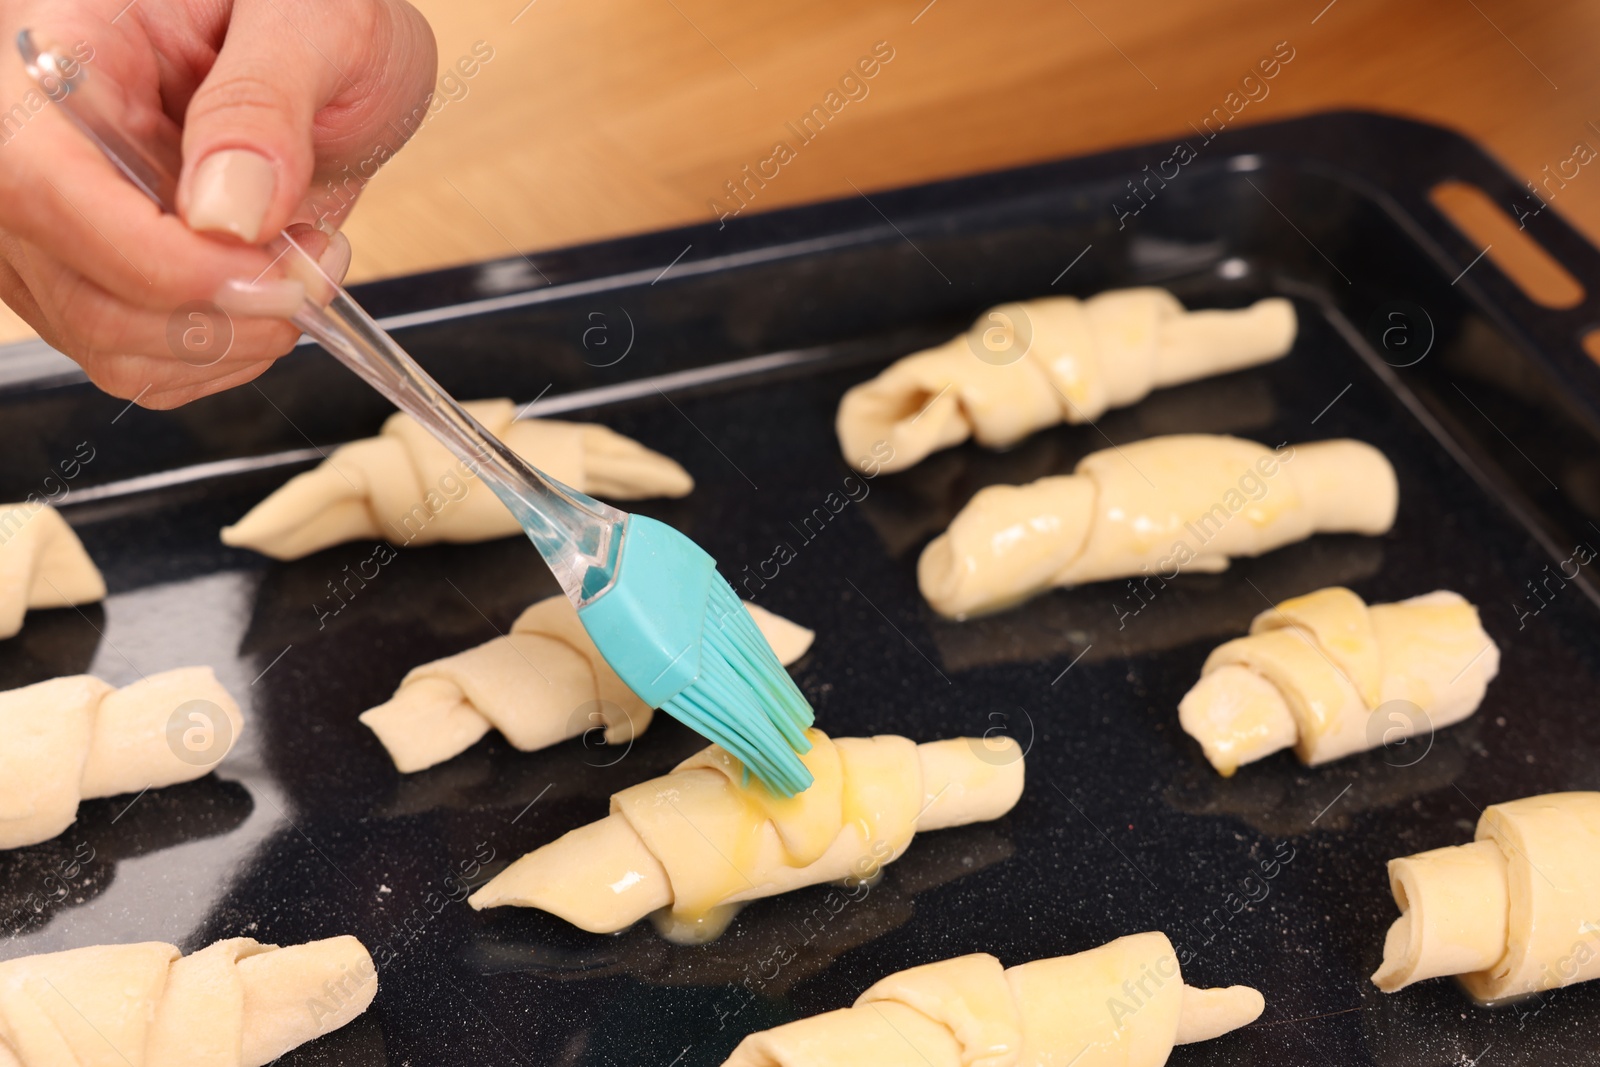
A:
335,260
278,299
230,192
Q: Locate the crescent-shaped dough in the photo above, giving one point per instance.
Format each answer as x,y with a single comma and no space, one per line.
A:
1123,1004
540,684
1515,912
76,738
1317,669
1023,367
406,487
702,837
42,565
235,1003
1152,509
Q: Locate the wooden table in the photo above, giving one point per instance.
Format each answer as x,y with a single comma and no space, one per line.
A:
594,118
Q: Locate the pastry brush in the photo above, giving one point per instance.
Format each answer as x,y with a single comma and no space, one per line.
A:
650,598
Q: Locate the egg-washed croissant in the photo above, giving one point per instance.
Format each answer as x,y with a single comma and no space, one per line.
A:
1023,367
702,837
540,684
235,1003
405,486
42,565
1151,510
1316,669
77,738
1515,912
1123,1004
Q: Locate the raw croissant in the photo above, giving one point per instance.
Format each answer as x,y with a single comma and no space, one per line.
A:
1153,508
1515,912
405,486
1123,1004
77,738
778,948
42,565
235,1003
538,685
697,839
1023,367
1316,669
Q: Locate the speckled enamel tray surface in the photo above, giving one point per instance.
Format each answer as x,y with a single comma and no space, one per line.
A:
1274,878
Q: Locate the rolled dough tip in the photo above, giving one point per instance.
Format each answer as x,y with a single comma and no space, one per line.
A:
1249,998
1454,904
297,993
501,892
937,577
1353,486
1204,1014
1278,322
599,878
246,534
969,779
1385,979
310,965
1238,717
1398,967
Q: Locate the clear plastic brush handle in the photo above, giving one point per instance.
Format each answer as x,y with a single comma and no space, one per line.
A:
578,536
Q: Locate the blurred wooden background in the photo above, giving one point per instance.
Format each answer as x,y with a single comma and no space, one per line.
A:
601,117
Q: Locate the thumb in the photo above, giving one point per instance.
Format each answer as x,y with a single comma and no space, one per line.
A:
248,148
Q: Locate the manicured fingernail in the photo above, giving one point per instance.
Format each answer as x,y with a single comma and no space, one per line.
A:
335,260
230,192
278,299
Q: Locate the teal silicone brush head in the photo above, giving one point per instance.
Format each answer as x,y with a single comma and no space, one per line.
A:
744,699
675,631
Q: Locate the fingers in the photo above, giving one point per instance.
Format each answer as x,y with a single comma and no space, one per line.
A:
208,352
14,291
183,394
312,279
360,132
394,71
275,101
58,191
85,321
247,135
158,359
162,388
64,195
270,93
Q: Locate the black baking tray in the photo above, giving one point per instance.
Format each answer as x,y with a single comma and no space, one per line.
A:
728,347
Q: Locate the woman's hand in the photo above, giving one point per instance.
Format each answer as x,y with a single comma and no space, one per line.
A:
275,98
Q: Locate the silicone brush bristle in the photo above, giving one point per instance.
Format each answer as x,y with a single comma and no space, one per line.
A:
744,699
